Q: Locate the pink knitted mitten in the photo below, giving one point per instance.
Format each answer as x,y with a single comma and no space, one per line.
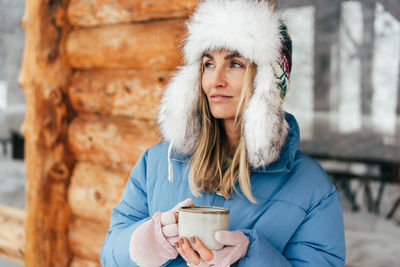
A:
169,223
149,246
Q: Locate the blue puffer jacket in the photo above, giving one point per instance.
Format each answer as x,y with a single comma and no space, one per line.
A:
296,222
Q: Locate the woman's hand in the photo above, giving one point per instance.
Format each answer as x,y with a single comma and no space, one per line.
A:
197,257
152,243
236,245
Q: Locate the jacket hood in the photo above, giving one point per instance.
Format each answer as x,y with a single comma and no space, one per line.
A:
252,28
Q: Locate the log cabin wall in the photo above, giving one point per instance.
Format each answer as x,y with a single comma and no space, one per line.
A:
122,54
93,74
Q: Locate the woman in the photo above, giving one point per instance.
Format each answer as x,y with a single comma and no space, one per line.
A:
228,143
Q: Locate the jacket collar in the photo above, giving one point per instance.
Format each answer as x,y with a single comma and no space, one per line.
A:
288,152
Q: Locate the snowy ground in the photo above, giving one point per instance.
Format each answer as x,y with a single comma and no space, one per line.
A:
372,241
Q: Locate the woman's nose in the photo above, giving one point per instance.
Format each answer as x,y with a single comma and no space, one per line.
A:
219,78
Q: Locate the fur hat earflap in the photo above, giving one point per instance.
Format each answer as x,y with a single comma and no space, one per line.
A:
254,29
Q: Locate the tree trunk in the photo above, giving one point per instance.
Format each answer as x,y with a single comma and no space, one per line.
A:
366,56
327,20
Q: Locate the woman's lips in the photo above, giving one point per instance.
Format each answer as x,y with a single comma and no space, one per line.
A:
218,98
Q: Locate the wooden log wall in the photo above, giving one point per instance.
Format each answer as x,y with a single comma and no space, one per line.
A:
118,93
122,53
151,45
97,12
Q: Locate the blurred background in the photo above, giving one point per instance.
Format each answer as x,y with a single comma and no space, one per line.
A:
345,94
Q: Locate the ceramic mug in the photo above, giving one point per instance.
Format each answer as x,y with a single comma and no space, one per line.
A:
203,222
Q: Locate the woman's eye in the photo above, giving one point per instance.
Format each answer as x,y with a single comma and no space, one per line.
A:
208,65
236,65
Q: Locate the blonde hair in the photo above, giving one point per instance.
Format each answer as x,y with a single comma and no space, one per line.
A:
206,164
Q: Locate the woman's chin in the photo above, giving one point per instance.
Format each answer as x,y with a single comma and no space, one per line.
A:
223,115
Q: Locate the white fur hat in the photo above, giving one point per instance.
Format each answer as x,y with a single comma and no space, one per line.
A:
252,28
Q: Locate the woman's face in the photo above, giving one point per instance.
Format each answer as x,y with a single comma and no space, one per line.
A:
222,82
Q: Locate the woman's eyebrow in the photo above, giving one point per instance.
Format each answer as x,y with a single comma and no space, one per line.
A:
230,56
233,55
207,55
